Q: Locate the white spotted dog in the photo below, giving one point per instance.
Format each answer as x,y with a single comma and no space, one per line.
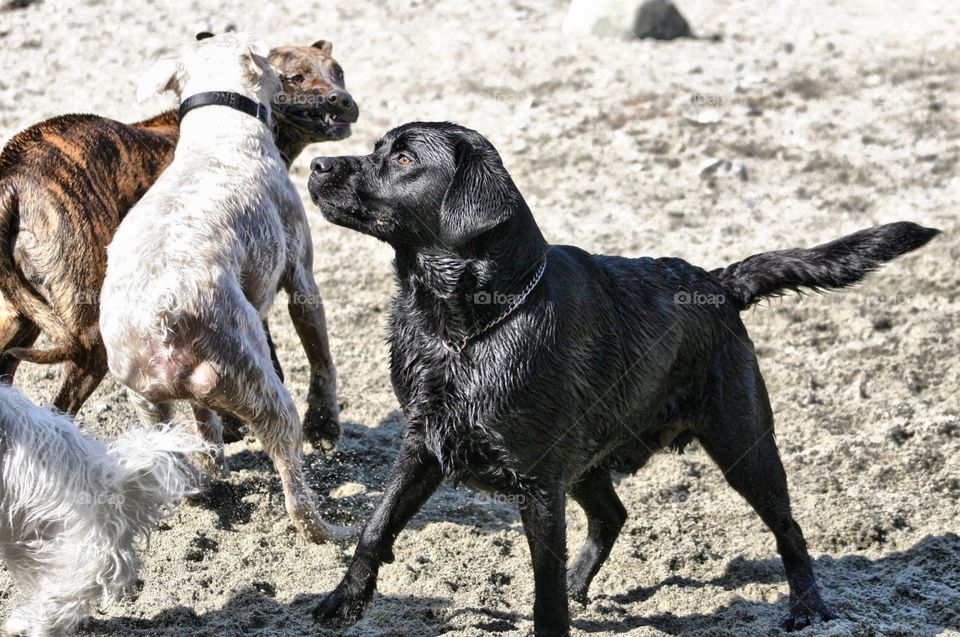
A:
72,510
194,267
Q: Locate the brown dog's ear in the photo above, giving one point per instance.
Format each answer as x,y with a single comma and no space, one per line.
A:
204,35
480,197
324,45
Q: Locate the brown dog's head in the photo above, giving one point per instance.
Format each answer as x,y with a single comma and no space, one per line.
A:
314,105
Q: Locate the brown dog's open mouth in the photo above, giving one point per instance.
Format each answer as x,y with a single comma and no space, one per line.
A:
315,119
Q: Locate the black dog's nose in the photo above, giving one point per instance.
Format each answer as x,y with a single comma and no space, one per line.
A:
322,164
341,98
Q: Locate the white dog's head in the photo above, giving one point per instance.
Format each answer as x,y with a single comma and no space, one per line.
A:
228,62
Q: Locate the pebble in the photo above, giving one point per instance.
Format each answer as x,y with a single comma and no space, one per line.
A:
723,168
660,20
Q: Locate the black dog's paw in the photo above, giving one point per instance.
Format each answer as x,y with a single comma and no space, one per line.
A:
577,593
578,582
803,616
321,427
340,607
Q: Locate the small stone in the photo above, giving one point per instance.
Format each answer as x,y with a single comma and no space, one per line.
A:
723,168
660,20
712,167
347,490
706,117
882,324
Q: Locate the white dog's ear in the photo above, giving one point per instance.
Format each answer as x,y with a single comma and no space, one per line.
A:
161,77
259,48
258,64
262,74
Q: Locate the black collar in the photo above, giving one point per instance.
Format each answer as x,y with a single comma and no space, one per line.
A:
226,98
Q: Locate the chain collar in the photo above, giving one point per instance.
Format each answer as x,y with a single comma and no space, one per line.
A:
457,346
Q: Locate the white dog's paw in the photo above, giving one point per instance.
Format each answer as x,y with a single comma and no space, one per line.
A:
18,624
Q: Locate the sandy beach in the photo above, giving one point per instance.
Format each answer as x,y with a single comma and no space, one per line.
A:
803,122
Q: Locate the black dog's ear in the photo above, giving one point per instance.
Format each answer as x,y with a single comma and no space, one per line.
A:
480,196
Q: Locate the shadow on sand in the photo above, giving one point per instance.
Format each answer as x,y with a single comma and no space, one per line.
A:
913,593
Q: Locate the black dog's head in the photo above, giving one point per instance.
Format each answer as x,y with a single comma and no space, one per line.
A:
426,185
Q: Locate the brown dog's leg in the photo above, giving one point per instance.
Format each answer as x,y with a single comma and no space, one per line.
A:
81,377
605,517
321,424
273,350
15,331
740,440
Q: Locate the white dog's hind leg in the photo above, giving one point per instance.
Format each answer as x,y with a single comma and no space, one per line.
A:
151,413
210,429
272,415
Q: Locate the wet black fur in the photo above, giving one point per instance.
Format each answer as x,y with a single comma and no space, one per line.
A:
608,360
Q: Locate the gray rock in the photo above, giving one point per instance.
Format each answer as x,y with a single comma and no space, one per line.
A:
713,168
660,20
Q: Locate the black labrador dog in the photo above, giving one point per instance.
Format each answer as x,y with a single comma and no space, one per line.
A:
536,370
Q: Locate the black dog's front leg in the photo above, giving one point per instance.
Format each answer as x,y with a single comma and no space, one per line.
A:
415,476
545,525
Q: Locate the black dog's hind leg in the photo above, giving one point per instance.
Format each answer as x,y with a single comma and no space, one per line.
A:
605,517
740,439
413,479
546,529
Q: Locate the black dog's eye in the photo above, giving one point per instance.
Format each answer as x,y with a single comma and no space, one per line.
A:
404,159
296,79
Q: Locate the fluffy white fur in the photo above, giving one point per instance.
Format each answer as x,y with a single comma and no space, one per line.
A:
196,264
72,510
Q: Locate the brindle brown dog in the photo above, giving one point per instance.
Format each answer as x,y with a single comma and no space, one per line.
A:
65,185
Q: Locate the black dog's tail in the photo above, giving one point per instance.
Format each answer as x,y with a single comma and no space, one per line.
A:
836,264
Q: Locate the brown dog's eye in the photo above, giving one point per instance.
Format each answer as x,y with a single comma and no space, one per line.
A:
404,159
296,79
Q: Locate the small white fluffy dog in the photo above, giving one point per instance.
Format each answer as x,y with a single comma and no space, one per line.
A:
196,264
73,509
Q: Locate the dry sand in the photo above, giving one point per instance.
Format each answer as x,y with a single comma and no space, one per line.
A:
844,115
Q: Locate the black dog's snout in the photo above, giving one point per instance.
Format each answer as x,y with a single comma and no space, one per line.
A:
322,164
340,98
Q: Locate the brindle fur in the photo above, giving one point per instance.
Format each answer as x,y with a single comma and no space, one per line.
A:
65,185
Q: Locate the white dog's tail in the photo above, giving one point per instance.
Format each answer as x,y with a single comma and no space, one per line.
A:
154,472
73,509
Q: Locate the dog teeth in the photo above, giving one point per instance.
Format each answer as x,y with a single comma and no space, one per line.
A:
331,119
